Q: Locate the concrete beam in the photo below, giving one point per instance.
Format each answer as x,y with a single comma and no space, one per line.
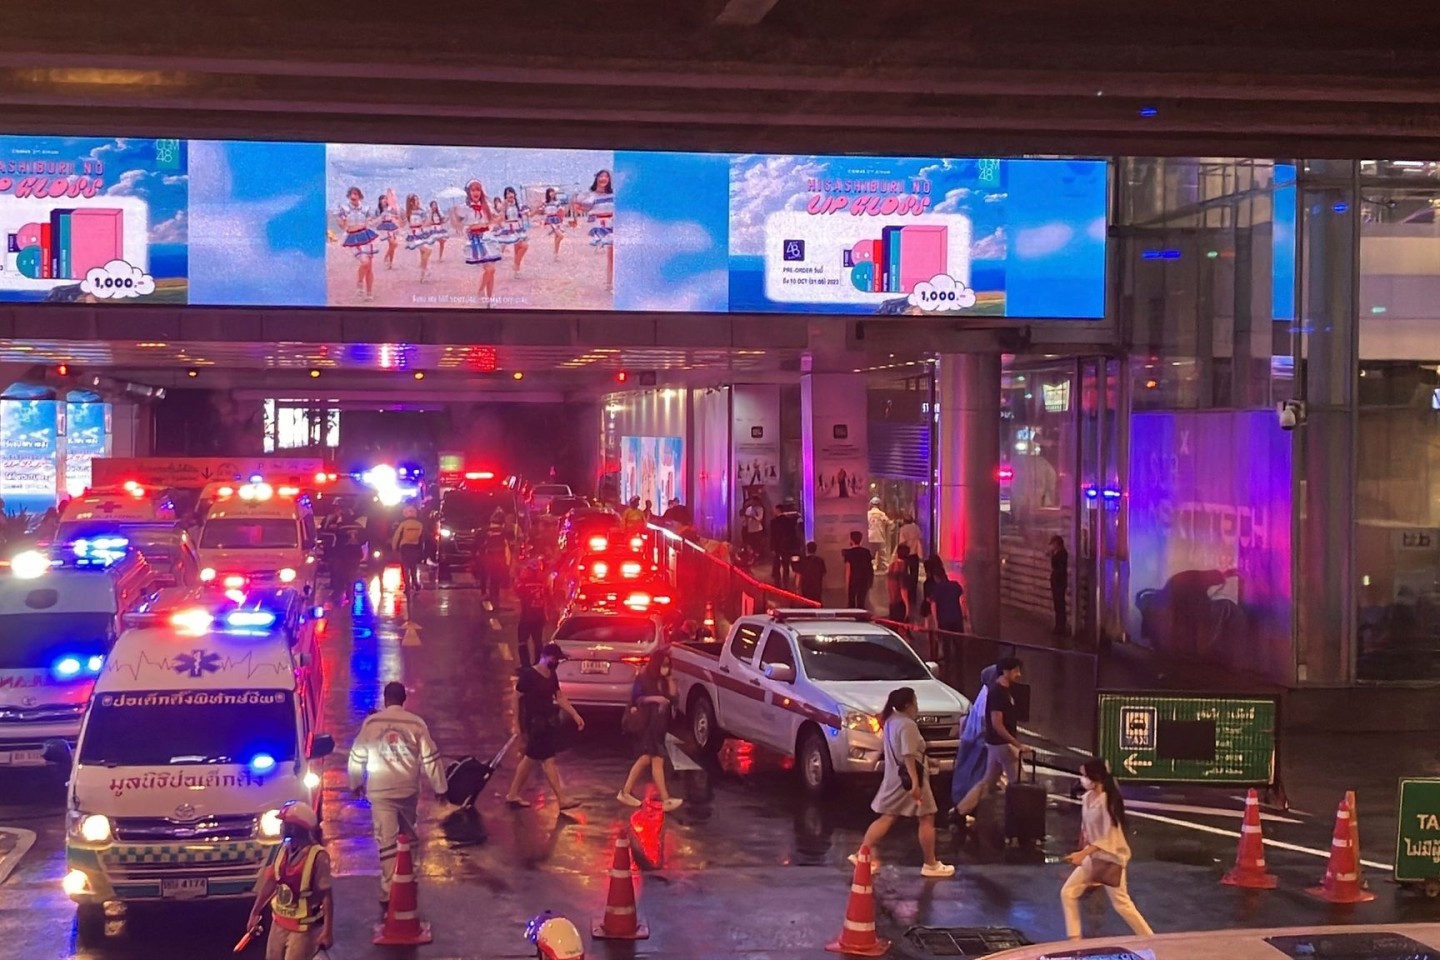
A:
744,13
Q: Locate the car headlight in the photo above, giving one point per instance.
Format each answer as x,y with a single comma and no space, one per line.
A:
287,574
270,825
446,533
859,720
311,780
90,827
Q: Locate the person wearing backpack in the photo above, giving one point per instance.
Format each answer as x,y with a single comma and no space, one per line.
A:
905,787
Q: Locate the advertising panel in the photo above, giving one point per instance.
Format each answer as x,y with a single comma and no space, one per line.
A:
87,219
1210,539
28,430
231,223
87,436
653,469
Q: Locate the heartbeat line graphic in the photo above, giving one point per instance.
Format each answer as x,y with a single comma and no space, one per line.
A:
189,661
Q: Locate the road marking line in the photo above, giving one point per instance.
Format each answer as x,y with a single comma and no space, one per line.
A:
1201,811
24,840
1221,832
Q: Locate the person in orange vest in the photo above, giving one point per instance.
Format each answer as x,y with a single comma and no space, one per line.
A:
298,888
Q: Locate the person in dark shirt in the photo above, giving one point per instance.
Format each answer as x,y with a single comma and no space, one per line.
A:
1059,581
859,572
534,611
943,596
897,585
811,569
1001,741
540,696
786,541
912,581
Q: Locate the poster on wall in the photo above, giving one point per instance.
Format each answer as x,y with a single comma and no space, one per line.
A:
1209,527
87,436
652,468
985,237
755,440
28,430
89,220
837,465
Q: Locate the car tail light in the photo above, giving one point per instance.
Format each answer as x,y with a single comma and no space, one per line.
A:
636,543
599,543
662,600
635,661
638,601
234,581
630,569
601,569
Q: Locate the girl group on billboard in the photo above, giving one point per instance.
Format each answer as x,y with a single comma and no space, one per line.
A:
483,225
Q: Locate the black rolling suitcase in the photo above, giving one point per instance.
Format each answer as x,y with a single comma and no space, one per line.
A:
1025,807
466,778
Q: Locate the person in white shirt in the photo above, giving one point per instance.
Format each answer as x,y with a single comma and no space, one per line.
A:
879,533
1105,858
391,753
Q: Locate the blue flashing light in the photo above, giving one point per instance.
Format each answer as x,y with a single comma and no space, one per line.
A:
249,620
67,667
256,478
1160,255
94,664
99,551
262,763
318,613
1149,112
1111,493
1341,207
1091,493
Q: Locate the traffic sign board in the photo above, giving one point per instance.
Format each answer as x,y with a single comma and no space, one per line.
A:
1417,842
1188,738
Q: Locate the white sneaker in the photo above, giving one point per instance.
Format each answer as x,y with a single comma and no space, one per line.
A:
854,858
672,804
937,869
628,799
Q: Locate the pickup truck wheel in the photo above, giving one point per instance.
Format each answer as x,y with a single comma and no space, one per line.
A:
704,726
812,761
90,924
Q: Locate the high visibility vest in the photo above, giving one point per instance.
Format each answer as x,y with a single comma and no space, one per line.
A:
296,904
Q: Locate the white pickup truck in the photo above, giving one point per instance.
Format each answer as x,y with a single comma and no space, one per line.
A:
811,684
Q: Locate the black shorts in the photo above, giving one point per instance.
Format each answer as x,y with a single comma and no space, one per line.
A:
540,741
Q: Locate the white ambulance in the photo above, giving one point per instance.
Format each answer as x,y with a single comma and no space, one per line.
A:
201,726
110,511
259,535
59,616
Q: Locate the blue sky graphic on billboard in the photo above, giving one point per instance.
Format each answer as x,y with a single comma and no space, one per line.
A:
28,454
231,223
90,219
915,236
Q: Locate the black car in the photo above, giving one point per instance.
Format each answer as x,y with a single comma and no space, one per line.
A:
464,515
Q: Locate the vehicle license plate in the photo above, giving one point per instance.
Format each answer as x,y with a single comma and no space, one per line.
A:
594,666
186,888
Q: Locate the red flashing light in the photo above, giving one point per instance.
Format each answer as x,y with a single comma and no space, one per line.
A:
621,376
1005,474
234,581
601,568
598,543
226,491
630,569
63,370
289,491
479,475
322,477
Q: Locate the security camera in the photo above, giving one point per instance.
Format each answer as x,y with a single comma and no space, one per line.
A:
1291,413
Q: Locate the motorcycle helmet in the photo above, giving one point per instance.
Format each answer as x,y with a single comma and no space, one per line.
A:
555,938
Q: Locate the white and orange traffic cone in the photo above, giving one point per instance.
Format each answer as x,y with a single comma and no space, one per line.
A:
403,926
620,921
857,937
1249,872
1342,883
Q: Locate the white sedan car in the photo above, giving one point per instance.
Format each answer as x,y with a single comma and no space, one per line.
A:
606,651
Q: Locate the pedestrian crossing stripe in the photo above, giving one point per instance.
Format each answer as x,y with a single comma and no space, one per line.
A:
242,852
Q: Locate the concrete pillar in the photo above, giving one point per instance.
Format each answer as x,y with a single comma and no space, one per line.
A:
835,466
969,485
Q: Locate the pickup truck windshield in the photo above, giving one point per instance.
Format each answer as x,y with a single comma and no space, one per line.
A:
244,534
870,656
37,640
168,727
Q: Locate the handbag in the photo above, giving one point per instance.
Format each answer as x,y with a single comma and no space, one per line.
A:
633,721
1104,872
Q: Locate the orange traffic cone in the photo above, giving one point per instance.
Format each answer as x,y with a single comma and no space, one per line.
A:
1249,871
403,926
857,937
1342,876
620,921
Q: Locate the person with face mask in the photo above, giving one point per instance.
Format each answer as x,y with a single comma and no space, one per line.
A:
298,889
1104,860
648,720
542,705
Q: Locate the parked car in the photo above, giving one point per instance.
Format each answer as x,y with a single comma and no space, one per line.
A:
606,652
811,684
544,493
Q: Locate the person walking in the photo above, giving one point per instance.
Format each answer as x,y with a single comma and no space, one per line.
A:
1002,746
752,525
1105,858
811,571
541,703
897,586
1059,581
912,580
909,534
494,556
972,757
534,611
407,542
648,720
905,787
877,522
944,616
391,753
786,542
298,886
859,572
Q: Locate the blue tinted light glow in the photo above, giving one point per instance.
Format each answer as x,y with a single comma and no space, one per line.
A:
67,667
1341,207
262,763
250,619
94,664
1148,111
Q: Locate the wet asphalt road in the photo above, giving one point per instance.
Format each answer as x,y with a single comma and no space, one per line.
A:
748,867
